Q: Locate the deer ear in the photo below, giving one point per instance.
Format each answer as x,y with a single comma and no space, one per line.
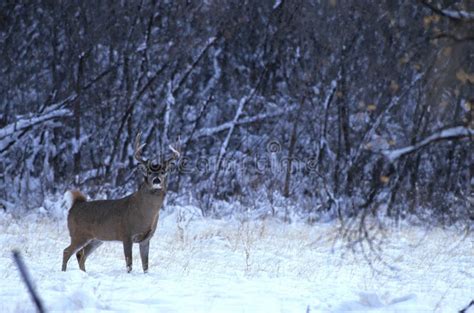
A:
143,169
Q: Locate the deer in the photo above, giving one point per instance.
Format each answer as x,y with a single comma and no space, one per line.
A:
132,219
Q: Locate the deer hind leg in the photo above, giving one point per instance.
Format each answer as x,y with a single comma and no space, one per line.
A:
85,252
76,244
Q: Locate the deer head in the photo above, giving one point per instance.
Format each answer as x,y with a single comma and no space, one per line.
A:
154,172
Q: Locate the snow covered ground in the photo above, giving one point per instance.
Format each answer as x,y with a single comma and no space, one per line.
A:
204,265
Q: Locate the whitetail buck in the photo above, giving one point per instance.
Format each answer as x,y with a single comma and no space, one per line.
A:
132,219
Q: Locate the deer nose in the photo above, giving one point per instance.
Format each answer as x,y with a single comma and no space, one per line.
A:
156,181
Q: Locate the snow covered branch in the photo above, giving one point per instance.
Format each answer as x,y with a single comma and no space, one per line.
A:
224,145
394,101
50,113
206,132
446,134
24,123
458,15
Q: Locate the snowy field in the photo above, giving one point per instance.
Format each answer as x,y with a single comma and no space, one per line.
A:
203,265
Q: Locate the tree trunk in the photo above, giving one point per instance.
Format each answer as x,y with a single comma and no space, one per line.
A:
77,118
291,150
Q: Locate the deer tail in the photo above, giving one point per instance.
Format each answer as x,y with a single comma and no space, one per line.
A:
72,197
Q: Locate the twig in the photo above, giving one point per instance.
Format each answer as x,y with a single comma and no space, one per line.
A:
467,307
27,280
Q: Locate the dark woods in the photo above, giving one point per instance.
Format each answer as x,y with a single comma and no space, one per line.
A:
279,104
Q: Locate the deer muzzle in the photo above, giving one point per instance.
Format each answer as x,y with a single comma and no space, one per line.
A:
157,183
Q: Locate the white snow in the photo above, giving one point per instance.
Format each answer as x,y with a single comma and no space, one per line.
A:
205,265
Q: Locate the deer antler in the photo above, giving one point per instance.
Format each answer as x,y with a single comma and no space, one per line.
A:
176,152
138,149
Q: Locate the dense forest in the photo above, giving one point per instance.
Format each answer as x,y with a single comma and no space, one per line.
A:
314,108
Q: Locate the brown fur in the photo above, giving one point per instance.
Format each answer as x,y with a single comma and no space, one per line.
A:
132,219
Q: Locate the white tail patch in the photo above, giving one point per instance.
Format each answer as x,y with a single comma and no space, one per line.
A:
71,196
69,199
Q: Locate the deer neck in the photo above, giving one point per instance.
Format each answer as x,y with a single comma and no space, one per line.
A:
149,201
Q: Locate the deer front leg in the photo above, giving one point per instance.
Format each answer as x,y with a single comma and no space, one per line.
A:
144,248
127,249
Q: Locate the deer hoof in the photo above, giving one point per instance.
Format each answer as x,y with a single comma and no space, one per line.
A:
129,269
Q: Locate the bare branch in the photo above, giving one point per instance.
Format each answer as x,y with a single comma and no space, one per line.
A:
206,132
25,123
452,37
455,15
458,132
459,14
27,280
